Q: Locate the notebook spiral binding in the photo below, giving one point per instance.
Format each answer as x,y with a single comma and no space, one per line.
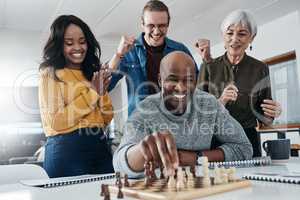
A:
272,178
261,161
77,181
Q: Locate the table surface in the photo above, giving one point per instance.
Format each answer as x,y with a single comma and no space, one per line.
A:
90,191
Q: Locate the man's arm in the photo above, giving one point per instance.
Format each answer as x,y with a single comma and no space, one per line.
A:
126,43
189,158
115,63
138,146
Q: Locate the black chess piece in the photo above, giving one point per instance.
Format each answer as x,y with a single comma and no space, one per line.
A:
147,173
193,170
102,190
152,172
120,193
106,192
184,172
118,178
162,176
175,175
126,183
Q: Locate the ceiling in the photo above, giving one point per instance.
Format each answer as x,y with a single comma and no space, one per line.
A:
109,19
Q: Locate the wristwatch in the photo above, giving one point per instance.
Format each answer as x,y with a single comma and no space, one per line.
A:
199,157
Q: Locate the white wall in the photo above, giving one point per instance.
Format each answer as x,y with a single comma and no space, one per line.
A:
20,54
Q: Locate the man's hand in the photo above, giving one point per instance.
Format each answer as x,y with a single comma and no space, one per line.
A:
230,93
125,45
203,48
159,148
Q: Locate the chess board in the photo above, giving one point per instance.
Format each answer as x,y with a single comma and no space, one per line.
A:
158,189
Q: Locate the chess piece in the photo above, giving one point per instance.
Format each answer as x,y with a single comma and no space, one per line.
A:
118,178
152,172
189,178
106,192
147,173
120,193
231,174
193,170
171,182
162,176
102,190
180,179
224,176
189,175
217,176
205,171
126,183
184,173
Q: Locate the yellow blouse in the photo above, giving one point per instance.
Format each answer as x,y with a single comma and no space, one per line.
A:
71,103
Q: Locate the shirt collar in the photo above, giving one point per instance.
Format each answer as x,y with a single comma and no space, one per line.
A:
169,43
241,63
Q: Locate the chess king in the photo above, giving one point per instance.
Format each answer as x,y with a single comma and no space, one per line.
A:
175,127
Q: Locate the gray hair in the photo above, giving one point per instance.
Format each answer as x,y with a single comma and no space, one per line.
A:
240,17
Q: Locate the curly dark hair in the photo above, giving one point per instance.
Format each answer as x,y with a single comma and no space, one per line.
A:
53,54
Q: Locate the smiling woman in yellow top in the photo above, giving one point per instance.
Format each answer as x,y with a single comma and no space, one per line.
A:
74,103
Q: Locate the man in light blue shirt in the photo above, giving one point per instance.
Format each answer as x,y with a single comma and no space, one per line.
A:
138,58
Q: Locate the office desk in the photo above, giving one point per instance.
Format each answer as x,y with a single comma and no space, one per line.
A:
281,130
90,191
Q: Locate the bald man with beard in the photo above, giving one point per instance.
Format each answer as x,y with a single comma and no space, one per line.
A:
175,126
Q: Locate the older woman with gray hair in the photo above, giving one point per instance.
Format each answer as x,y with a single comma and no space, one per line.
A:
239,81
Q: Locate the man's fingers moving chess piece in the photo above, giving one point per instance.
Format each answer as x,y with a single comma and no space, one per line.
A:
159,148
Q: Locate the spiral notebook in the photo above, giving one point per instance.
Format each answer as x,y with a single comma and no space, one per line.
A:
57,182
272,177
259,161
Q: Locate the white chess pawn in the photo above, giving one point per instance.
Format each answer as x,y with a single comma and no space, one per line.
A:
180,179
189,174
224,176
204,160
171,182
231,174
217,176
